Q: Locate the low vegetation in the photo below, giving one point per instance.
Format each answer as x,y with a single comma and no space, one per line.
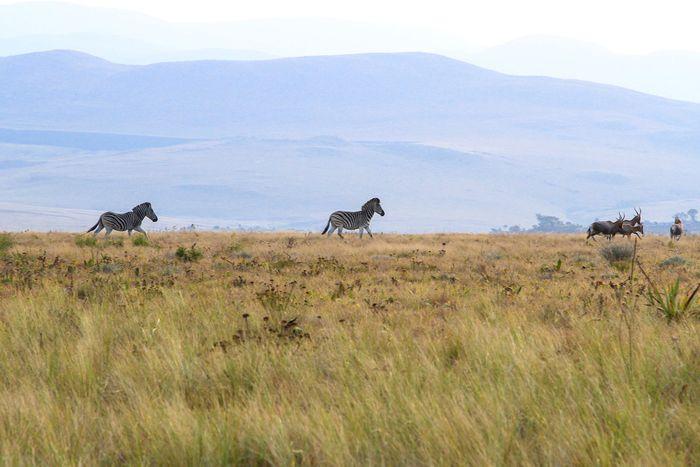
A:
673,261
617,252
139,240
190,254
5,242
279,349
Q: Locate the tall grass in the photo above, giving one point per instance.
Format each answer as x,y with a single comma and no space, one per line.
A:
398,350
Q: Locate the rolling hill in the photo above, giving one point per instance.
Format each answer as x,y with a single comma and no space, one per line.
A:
280,143
378,96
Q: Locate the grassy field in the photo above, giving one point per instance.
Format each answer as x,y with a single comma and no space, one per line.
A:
285,348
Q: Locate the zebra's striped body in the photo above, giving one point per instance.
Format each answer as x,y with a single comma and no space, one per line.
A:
350,220
126,221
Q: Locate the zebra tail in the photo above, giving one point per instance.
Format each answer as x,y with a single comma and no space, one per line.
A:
93,227
327,225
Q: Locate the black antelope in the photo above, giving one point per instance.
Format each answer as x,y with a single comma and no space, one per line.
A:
606,228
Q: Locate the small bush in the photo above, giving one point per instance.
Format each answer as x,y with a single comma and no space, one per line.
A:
190,254
617,253
140,240
6,242
86,241
673,261
110,268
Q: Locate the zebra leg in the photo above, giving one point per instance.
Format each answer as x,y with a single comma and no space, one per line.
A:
139,229
340,232
108,230
369,232
129,233
331,230
360,232
97,230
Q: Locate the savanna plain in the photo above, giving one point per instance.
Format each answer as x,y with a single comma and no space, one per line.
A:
279,349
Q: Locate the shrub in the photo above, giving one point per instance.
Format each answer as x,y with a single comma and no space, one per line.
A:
673,261
140,240
83,241
6,242
190,254
616,253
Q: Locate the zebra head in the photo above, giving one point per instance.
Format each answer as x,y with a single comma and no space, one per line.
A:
373,205
145,210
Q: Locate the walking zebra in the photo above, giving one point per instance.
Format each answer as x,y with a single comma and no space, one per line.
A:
354,220
126,221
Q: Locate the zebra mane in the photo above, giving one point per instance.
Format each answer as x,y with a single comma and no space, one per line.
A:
142,205
370,203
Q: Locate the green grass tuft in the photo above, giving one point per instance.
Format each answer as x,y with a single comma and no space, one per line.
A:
190,254
86,241
140,240
6,242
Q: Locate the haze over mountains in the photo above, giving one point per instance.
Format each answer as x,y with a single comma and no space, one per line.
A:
130,37
448,146
123,36
408,96
670,73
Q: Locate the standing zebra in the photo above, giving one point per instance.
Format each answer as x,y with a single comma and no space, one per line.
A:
126,221
354,220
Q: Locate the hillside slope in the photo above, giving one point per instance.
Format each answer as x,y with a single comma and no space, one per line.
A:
376,96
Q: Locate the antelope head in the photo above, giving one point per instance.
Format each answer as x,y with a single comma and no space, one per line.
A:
620,220
637,219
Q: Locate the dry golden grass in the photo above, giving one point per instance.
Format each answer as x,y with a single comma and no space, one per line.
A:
286,348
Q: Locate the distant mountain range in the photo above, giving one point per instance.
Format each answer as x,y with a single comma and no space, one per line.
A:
128,37
134,38
410,96
281,143
673,74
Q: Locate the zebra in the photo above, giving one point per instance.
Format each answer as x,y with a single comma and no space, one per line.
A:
126,221
354,220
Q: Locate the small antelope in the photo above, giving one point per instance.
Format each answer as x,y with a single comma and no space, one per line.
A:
677,229
633,226
629,229
606,228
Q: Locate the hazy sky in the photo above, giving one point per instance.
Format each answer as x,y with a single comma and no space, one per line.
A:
629,26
